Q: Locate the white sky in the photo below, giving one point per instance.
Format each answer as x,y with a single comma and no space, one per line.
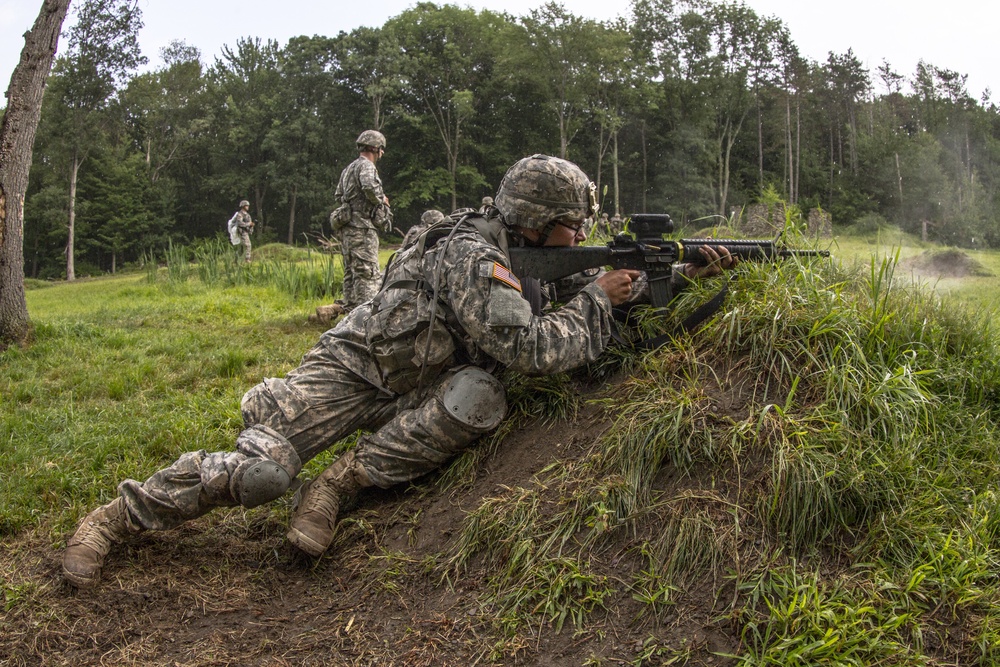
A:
957,35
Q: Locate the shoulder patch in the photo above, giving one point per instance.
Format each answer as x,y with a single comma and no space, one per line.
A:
503,274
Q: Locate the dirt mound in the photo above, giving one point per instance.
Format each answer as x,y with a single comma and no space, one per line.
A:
949,263
229,589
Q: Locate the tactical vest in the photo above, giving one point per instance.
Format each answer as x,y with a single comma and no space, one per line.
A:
411,352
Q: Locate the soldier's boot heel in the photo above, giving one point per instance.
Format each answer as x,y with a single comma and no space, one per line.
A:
318,502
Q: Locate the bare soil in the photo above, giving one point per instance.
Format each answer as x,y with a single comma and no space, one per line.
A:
228,589
949,263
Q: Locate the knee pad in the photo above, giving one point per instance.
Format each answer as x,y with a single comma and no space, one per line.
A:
475,399
268,470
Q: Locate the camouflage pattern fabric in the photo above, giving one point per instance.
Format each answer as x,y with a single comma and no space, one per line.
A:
362,277
245,240
338,389
361,189
244,223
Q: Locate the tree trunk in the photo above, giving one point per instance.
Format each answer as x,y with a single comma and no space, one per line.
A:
791,151
645,165
600,165
760,146
70,263
798,146
17,136
291,216
614,173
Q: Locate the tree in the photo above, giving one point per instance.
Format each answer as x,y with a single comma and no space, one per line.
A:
246,87
560,53
447,55
305,115
17,137
369,66
103,51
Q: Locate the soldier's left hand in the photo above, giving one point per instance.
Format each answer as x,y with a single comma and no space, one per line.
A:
716,263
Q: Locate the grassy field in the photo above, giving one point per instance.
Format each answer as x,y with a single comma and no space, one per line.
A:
817,466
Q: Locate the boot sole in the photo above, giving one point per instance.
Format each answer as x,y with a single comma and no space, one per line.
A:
81,581
306,544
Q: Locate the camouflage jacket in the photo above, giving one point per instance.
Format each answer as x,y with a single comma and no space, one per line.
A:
360,188
480,305
242,219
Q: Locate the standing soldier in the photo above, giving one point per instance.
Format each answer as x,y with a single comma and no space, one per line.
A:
363,204
486,204
240,226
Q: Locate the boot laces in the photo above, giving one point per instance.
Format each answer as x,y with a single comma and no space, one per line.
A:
99,533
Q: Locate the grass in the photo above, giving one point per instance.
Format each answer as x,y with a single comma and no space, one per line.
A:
821,457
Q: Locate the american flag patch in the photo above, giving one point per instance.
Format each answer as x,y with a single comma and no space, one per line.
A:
501,273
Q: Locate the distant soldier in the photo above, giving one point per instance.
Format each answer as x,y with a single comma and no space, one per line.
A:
363,209
240,227
429,217
617,224
487,204
604,225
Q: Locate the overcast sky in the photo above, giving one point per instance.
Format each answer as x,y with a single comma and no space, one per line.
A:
959,35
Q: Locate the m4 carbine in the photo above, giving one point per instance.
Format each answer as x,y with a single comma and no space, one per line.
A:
644,249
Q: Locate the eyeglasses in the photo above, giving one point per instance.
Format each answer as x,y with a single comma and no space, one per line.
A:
575,227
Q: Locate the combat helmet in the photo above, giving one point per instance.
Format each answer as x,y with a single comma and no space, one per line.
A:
431,217
372,138
540,191
243,203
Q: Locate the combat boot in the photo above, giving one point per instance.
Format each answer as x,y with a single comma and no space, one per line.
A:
315,518
86,550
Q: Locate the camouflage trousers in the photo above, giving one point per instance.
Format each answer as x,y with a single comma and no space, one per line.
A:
359,247
245,240
293,419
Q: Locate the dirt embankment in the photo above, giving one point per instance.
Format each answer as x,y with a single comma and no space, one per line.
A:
228,589
948,263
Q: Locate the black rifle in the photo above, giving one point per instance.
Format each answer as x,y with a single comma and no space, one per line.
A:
644,249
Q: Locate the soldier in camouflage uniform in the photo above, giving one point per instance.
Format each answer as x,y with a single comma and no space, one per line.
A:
414,368
244,226
363,206
428,218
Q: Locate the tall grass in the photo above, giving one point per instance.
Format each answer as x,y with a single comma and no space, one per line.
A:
122,377
829,409
300,273
821,457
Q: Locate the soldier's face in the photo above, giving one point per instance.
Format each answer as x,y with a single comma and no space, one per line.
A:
566,234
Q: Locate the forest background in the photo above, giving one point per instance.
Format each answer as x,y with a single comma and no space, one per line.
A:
693,109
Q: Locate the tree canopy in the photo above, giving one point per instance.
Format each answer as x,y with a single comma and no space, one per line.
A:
689,108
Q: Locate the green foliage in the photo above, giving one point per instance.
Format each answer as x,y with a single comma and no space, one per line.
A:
825,450
684,108
301,274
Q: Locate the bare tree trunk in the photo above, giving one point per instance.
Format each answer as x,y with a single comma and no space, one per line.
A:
760,146
563,141
791,151
291,216
899,179
600,164
798,146
614,172
17,137
645,166
70,262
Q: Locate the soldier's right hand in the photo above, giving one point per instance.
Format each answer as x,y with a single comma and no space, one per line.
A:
617,284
